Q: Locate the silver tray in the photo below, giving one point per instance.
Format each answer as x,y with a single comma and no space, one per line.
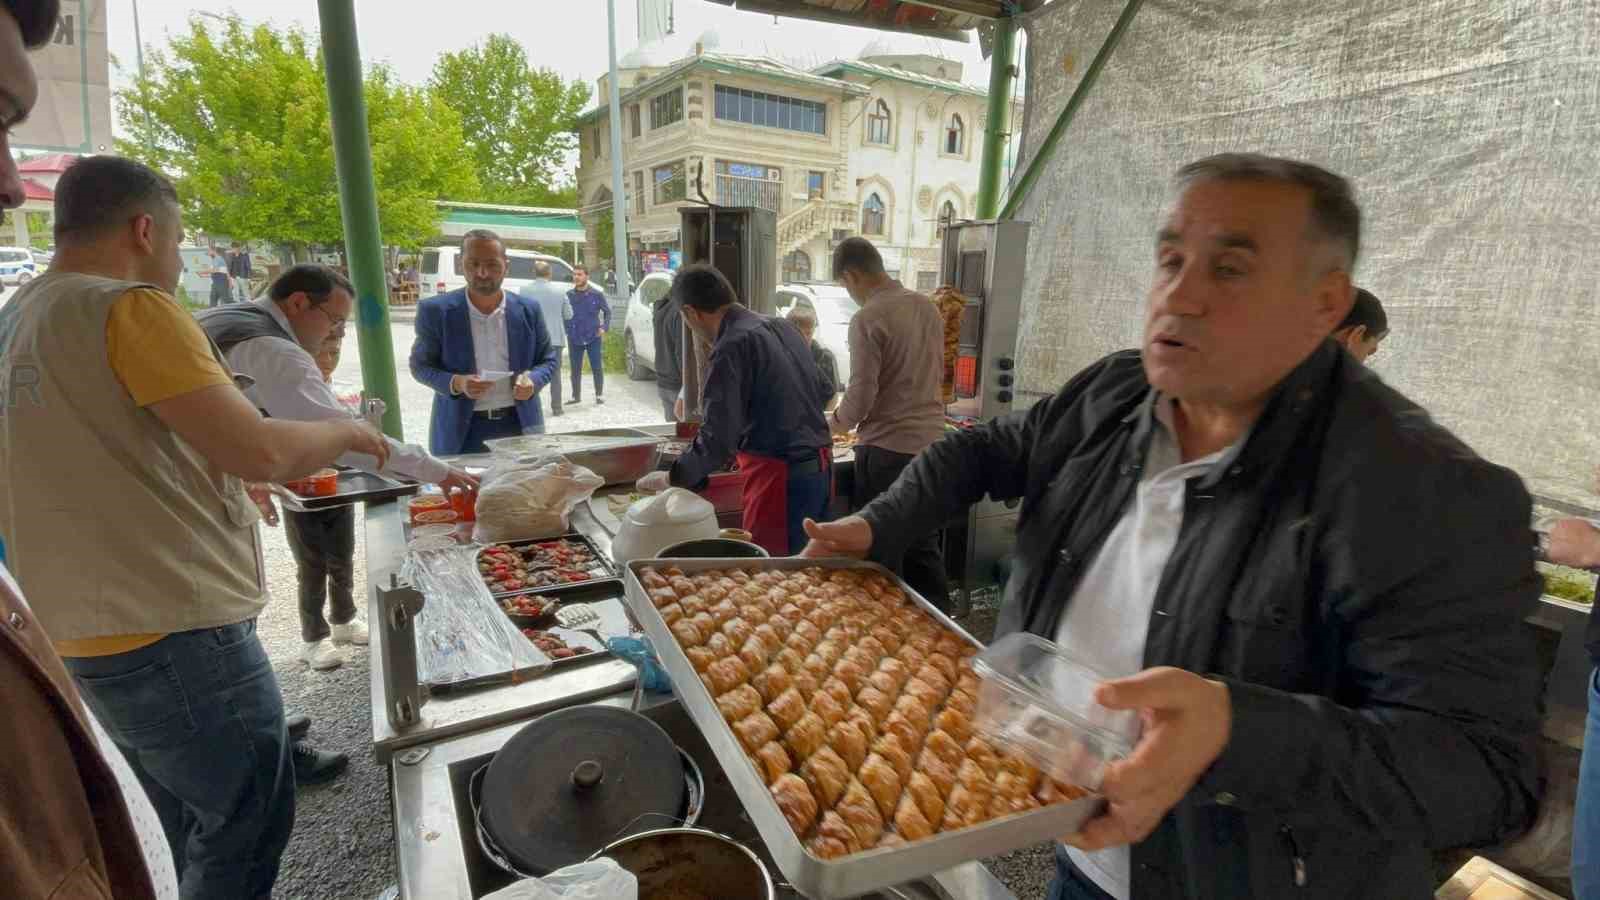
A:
617,455
354,486
858,873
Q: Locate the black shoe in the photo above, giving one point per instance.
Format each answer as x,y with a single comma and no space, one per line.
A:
555,411
599,401
574,401
299,724
313,766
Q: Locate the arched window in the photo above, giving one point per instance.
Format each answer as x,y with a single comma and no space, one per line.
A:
872,215
797,266
878,122
955,136
947,214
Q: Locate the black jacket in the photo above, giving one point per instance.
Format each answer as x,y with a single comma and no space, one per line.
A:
763,395
828,367
1358,578
666,317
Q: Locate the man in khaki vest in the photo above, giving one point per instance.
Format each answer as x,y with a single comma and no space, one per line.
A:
124,447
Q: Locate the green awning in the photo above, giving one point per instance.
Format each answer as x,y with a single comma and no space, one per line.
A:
543,227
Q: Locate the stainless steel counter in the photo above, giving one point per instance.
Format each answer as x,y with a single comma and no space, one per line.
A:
435,845
456,714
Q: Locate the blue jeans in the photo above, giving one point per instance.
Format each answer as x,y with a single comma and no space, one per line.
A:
199,717
593,350
1070,884
807,499
482,429
1586,821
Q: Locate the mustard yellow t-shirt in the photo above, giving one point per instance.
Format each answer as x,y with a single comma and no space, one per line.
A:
158,352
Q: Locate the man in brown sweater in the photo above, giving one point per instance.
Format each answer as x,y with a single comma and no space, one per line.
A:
893,400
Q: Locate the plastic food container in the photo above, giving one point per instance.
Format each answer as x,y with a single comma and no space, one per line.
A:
321,483
1039,702
465,504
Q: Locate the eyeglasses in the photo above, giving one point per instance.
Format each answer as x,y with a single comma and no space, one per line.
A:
336,321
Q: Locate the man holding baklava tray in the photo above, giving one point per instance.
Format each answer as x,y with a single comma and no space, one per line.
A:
1310,591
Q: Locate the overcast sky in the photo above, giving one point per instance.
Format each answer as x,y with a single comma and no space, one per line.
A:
568,36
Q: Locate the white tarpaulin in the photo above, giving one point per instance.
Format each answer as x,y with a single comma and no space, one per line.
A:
1470,129
73,114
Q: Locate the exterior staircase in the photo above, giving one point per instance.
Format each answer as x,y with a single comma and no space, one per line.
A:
817,218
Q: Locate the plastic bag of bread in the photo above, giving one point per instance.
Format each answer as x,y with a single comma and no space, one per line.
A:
525,501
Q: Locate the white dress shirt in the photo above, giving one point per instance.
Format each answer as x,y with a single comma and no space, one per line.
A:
1108,619
290,386
491,347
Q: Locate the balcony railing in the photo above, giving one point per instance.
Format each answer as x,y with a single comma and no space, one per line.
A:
736,190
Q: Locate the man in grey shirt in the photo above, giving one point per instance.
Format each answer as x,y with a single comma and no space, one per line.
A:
893,400
552,301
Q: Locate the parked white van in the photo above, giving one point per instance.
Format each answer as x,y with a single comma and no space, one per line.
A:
440,270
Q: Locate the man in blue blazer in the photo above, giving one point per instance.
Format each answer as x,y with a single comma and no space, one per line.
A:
485,352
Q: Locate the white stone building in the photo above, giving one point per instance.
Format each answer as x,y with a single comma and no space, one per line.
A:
914,147
878,146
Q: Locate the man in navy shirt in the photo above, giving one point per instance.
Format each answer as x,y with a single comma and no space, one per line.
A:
588,317
763,403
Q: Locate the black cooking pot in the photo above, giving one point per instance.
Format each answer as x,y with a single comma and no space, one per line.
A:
713,548
692,862
575,779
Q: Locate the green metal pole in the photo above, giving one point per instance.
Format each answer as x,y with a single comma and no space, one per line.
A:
1048,147
358,201
1002,74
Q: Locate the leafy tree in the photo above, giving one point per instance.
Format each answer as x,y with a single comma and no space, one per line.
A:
239,117
518,120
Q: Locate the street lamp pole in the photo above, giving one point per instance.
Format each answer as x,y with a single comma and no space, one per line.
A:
144,96
619,199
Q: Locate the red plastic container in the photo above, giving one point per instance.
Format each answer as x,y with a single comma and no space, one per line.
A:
465,504
321,483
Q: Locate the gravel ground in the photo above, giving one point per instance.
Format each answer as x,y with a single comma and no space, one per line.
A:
342,847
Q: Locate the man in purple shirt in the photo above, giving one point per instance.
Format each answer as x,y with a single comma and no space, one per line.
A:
588,316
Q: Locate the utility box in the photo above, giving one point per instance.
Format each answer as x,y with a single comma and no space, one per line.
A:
742,242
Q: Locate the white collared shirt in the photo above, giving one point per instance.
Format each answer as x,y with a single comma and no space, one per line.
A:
288,385
1108,619
491,347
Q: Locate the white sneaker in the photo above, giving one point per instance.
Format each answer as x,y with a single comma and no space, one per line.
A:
351,632
321,655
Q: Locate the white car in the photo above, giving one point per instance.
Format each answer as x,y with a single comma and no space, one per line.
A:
638,328
830,303
834,309
441,269
17,265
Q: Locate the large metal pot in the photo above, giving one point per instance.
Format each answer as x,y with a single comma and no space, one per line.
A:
713,548
692,864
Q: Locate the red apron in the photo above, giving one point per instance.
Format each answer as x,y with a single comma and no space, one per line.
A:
766,500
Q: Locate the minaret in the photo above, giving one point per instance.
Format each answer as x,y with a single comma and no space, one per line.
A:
655,20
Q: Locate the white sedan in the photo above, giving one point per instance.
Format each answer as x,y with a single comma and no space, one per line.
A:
830,303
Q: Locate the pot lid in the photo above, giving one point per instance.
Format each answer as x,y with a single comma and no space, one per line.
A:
572,780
